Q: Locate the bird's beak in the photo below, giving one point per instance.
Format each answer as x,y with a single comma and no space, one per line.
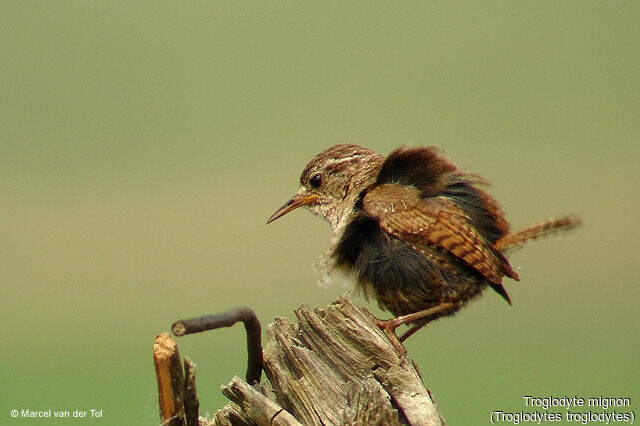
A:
298,200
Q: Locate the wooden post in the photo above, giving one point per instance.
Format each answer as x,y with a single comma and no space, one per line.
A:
333,367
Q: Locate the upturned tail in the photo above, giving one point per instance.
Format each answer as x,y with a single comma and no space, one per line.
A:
516,239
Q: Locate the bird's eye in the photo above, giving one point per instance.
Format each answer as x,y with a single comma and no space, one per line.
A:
316,180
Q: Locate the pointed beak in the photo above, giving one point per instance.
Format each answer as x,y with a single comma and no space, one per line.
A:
298,200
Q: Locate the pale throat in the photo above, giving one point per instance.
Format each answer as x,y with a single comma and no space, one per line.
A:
337,214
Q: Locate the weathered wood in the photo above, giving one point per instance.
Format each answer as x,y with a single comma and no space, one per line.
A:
191,403
170,380
335,367
256,406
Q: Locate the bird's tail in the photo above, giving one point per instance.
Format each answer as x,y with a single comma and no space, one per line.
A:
516,239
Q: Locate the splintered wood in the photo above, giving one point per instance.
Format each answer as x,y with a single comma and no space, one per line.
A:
171,382
334,367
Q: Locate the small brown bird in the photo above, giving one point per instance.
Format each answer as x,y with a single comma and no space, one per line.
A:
416,232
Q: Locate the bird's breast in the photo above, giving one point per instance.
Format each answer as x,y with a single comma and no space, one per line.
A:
402,276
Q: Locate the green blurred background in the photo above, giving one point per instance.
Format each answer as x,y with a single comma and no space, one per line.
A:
144,144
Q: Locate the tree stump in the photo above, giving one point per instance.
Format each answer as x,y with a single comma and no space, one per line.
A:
334,367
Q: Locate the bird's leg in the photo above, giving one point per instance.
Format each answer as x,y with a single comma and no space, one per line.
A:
389,326
411,331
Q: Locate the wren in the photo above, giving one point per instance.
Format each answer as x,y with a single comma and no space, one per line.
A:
417,233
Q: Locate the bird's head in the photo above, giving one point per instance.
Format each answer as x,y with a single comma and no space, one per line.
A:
332,182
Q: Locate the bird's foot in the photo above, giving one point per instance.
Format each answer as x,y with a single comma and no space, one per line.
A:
389,328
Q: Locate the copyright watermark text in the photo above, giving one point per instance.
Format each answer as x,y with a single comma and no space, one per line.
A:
27,413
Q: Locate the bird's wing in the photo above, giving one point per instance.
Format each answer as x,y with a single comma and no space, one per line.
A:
437,222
